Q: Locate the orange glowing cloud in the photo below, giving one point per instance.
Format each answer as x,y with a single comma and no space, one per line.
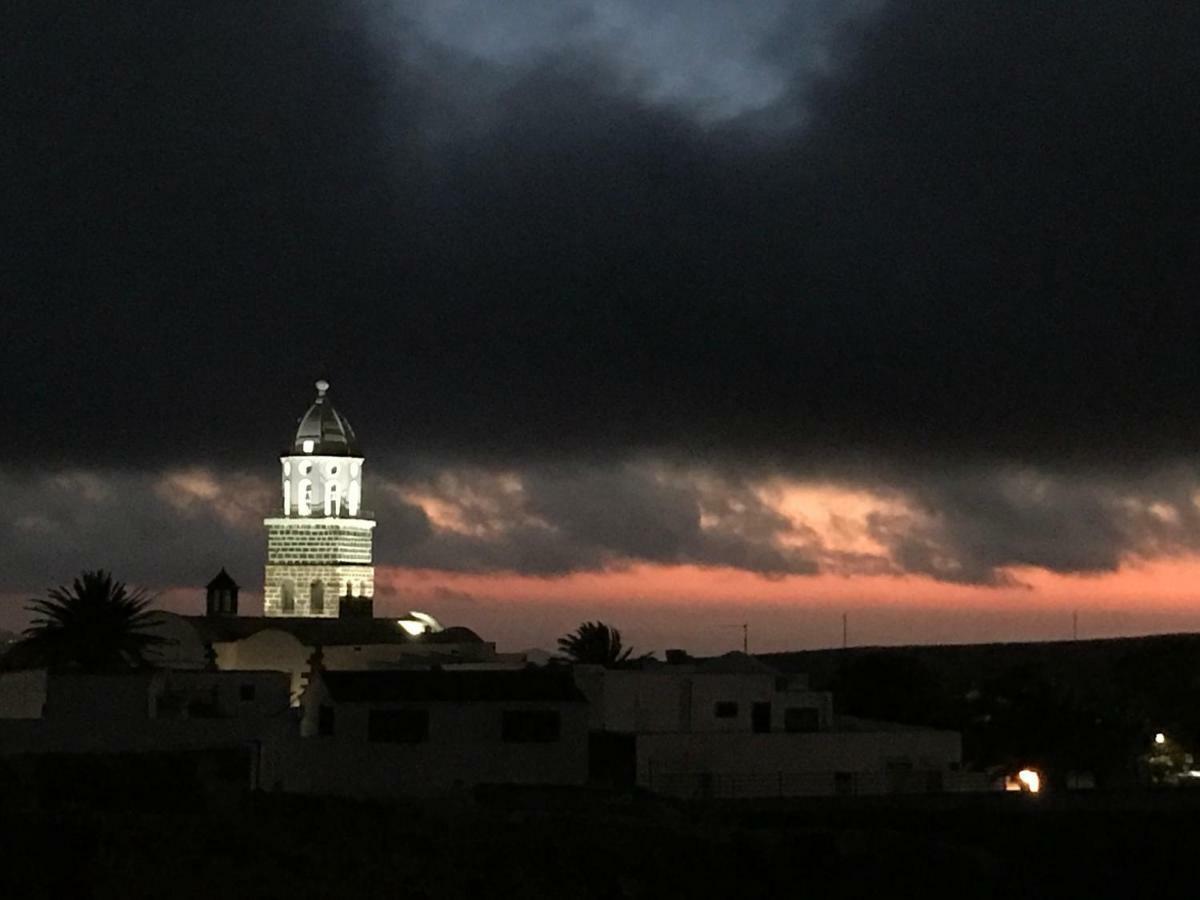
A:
660,606
1166,584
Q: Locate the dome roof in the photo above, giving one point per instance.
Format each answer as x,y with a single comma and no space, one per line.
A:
322,431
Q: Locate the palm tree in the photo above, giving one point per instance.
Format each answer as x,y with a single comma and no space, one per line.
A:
94,624
595,642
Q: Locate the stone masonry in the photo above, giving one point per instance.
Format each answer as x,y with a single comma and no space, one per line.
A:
334,553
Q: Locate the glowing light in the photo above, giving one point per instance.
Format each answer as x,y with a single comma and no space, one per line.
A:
431,624
308,446
1030,779
1160,738
415,629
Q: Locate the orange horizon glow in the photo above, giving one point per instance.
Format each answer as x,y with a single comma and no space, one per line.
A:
1160,584
658,607
701,609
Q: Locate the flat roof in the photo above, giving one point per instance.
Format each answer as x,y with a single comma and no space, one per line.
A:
439,685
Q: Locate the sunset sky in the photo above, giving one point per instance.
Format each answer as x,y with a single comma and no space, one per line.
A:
681,314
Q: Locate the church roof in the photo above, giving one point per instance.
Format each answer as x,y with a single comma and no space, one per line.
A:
329,433
328,632
425,685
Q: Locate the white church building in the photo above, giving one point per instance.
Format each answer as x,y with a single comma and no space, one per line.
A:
319,548
319,579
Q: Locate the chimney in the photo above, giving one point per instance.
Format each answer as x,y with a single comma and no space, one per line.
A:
351,607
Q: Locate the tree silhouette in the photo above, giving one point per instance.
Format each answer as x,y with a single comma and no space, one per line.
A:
95,624
892,685
596,643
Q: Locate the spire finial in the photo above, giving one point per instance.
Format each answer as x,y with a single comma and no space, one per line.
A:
322,387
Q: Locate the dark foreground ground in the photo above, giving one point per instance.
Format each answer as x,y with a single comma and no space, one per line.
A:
597,845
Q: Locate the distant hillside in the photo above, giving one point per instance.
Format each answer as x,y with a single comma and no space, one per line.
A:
1087,663
1067,705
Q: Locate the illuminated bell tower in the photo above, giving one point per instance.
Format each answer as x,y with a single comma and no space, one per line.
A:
320,547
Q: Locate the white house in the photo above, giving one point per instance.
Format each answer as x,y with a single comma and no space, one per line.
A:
432,731
735,727
143,711
732,694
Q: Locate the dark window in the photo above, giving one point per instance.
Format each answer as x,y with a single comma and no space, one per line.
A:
287,596
760,718
325,720
843,783
725,709
316,603
524,726
802,718
398,726
246,692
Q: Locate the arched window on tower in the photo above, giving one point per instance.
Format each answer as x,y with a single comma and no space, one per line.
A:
333,500
354,498
304,498
287,497
316,598
287,596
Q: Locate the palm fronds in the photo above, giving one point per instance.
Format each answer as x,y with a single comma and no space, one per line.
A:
96,623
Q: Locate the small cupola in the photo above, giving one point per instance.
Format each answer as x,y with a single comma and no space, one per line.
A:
222,596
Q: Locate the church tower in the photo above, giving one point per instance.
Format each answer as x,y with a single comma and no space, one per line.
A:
320,547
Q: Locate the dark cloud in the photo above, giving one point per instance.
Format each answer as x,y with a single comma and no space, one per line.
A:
177,528
972,238
159,531
966,525
556,519
974,526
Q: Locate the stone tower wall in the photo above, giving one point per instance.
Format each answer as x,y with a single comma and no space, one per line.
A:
336,552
